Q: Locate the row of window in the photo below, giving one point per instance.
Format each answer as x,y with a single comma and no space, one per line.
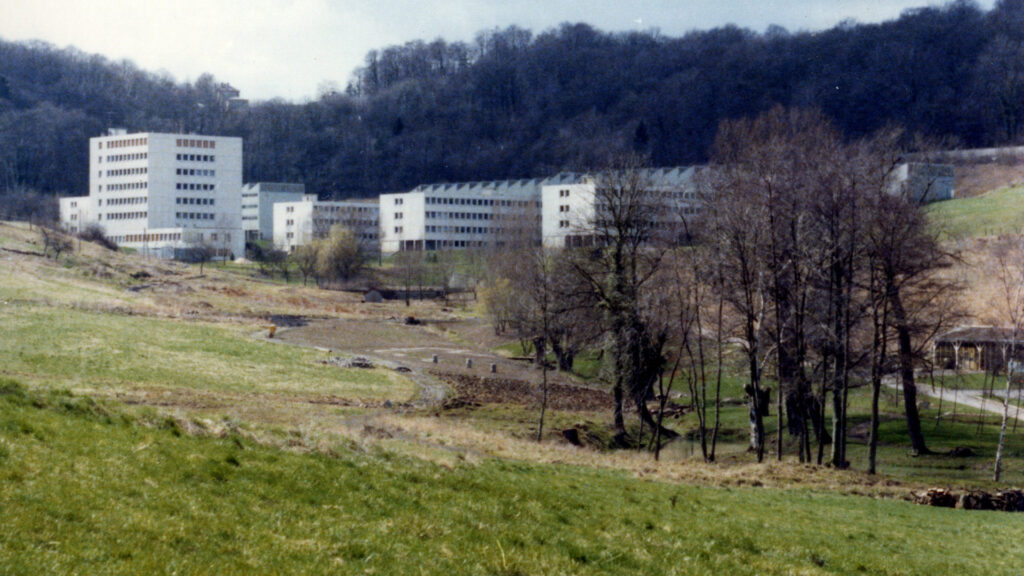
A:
199,201
475,202
195,157
193,215
345,209
191,143
193,186
323,223
126,186
161,237
125,215
461,229
194,172
124,201
458,215
127,171
125,142
125,157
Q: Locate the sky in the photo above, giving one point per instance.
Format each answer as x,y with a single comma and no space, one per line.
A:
290,49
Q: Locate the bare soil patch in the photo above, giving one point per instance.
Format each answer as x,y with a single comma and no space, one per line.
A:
493,390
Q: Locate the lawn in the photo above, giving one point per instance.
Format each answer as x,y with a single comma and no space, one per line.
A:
81,349
997,212
96,489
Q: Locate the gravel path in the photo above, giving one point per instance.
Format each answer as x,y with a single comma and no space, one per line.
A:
972,398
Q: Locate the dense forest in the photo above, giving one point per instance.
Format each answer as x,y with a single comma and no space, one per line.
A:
515,104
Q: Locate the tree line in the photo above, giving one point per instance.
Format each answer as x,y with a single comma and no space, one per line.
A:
806,264
514,104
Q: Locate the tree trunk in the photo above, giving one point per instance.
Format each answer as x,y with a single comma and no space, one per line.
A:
906,356
1006,417
543,400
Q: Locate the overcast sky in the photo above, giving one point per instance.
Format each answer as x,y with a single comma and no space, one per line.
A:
287,48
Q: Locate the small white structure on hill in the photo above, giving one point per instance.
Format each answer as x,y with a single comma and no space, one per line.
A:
924,182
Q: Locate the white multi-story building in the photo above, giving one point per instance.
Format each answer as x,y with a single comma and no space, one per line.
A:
464,215
299,223
163,194
570,208
258,201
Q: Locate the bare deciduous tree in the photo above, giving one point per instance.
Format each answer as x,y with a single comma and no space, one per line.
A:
629,241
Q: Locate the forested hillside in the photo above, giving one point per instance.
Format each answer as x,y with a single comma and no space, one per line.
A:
514,103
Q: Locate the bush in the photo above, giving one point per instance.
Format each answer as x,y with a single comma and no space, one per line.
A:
94,233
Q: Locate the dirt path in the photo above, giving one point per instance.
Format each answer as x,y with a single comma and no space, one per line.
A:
972,398
423,350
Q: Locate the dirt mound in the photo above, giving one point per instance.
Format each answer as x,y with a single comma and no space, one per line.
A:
1007,500
493,390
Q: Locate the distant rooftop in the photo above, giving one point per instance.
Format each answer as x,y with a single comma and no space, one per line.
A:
667,177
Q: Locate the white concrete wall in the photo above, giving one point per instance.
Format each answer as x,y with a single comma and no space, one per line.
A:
75,213
293,224
567,209
299,223
148,181
258,201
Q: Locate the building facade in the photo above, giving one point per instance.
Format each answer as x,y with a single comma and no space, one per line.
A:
299,223
464,215
258,201
163,194
925,182
571,208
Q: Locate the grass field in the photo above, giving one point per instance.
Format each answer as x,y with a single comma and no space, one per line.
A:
147,426
993,213
82,349
91,488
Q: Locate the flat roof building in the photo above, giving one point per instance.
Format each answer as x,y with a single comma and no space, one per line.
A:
570,208
258,201
299,223
161,194
463,215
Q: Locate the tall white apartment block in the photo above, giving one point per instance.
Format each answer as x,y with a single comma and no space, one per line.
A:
162,194
570,208
463,215
299,223
258,201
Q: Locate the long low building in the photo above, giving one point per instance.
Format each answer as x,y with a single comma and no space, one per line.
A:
464,215
570,209
302,222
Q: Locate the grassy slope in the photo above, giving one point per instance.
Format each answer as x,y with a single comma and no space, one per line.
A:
86,488
102,494
83,349
996,212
